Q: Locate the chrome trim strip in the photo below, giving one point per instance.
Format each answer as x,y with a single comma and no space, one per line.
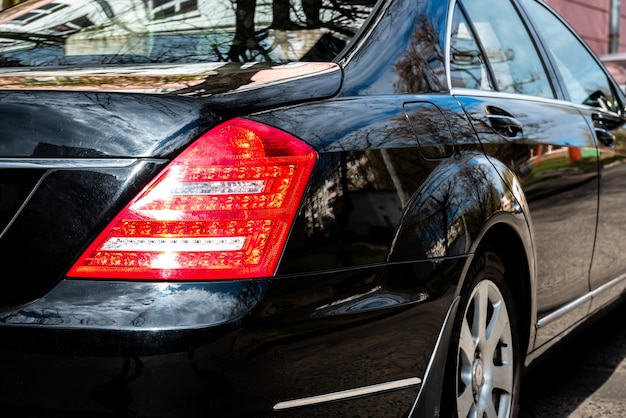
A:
578,302
157,70
564,310
51,163
465,92
348,394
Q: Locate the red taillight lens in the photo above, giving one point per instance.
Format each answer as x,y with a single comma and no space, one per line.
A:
221,210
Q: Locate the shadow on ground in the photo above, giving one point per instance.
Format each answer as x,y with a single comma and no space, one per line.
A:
585,377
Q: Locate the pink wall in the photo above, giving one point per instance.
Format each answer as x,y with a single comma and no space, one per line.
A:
591,19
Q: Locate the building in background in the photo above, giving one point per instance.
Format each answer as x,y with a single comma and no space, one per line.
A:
592,20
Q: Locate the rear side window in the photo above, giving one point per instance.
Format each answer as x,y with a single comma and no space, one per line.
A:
511,53
95,32
467,65
585,81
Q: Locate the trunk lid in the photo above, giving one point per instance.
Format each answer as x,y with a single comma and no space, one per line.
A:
71,158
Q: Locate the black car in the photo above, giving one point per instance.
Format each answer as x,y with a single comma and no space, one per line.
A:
299,208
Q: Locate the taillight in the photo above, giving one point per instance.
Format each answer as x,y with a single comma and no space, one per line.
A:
221,210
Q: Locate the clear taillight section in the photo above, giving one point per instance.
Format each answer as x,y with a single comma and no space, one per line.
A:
221,210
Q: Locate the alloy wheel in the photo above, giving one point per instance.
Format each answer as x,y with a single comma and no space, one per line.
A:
485,367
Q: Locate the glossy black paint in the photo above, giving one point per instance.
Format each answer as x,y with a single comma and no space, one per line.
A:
56,124
405,54
609,261
348,283
368,281
164,306
86,154
270,331
88,197
304,83
553,184
409,183
84,124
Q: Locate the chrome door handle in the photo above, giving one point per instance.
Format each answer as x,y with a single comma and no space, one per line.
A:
506,126
605,136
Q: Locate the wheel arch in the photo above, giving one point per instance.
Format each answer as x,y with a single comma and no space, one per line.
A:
501,235
503,239
504,228
510,234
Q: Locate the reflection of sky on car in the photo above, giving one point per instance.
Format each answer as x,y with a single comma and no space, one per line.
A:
188,304
64,32
154,78
127,29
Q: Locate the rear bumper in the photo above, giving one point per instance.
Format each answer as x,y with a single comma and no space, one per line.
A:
159,386
260,347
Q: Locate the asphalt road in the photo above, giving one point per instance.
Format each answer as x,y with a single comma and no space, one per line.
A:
586,377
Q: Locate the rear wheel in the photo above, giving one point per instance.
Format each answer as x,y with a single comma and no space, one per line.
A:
484,362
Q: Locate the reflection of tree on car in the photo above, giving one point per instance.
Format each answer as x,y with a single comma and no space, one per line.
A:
5,4
175,31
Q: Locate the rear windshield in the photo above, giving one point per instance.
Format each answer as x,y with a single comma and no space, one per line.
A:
99,32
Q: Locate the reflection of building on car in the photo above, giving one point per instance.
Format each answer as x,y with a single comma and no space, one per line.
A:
132,31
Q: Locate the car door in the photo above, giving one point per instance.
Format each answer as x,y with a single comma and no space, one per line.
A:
498,75
598,99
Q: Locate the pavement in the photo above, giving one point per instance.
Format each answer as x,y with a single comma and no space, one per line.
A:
583,378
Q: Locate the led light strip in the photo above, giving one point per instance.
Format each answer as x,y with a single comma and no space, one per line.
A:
174,244
220,187
349,394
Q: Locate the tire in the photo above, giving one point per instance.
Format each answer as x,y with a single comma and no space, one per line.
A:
484,363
